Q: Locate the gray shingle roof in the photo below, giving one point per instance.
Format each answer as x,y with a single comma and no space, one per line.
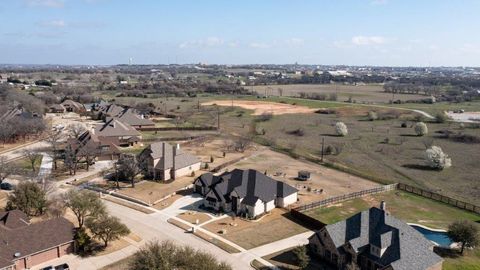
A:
250,185
182,159
132,118
406,248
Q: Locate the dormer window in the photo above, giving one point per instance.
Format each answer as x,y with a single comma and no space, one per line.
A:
375,251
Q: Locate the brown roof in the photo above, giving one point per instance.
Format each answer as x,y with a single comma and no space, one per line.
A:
132,118
33,238
92,141
13,219
74,105
115,128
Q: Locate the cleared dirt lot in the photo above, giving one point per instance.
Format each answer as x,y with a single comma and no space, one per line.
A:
331,181
261,107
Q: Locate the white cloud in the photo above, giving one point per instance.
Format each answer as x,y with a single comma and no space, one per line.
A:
53,23
259,45
470,48
296,42
378,2
45,3
208,42
369,40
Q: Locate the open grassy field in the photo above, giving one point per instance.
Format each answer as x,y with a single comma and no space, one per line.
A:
381,150
405,206
433,109
372,93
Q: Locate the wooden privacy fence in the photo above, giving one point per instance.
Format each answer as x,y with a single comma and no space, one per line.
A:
176,128
441,198
346,197
404,187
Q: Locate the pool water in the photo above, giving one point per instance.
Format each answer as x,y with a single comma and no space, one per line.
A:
440,238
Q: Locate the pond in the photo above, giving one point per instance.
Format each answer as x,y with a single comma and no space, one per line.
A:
438,237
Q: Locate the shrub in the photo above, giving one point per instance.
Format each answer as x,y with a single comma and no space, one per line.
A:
436,159
421,129
264,117
372,115
441,117
297,132
404,124
341,129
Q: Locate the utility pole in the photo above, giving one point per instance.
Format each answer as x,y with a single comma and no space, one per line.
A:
218,119
323,144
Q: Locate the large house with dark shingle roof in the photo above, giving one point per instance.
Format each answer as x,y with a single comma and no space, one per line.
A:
244,192
24,244
375,240
164,161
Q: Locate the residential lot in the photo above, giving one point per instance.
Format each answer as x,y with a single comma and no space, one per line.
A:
284,168
253,233
405,206
152,192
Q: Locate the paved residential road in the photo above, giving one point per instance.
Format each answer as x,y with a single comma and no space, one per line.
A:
155,227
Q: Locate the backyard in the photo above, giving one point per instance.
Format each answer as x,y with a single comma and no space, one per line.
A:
405,206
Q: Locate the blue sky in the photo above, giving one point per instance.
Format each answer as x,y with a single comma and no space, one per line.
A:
355,32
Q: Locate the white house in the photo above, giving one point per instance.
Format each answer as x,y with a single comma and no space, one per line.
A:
244,192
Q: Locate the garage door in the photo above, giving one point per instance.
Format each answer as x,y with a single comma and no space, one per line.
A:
43,257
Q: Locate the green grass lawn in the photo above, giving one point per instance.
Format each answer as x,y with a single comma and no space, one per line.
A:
473,106
403,205
469,261
410,208
24,164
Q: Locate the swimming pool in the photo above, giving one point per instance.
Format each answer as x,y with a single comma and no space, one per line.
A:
438,237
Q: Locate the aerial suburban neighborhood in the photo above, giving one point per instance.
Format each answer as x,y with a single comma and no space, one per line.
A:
228,135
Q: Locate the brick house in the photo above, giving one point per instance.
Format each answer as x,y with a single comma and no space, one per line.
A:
375,240
24,244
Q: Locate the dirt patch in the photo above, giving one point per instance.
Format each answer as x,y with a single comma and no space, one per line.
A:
262,107
249,234
151,192
192,217
323,183
467,117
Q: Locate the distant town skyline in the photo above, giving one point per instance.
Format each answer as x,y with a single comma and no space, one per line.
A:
365,32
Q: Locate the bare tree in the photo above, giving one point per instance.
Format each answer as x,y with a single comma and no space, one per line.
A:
32,157
56,206
54,138
71,160
242,144
75,130
5,169
128,167
89,153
